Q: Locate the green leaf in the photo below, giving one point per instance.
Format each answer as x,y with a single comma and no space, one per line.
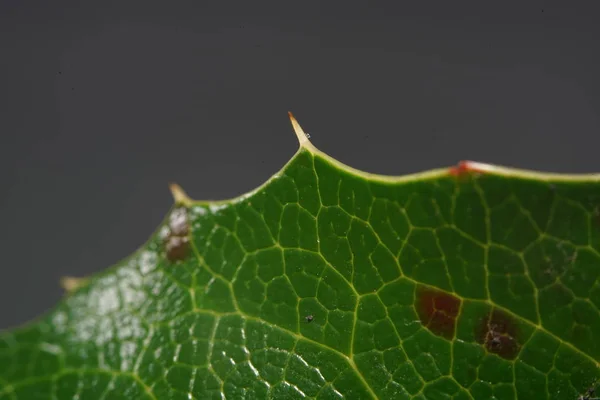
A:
473,282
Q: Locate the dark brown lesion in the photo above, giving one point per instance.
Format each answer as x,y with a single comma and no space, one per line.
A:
175,235
438,311
498,333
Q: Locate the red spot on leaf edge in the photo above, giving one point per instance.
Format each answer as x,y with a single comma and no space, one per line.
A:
465,168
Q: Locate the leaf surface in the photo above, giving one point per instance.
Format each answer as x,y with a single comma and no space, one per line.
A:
473,282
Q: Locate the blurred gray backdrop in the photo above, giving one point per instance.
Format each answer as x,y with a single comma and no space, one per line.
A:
103,104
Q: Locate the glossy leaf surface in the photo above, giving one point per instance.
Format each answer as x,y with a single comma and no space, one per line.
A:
465,283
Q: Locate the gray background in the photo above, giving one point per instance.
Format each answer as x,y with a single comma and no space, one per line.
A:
102,105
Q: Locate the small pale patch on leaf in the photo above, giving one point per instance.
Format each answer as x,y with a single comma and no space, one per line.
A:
175,235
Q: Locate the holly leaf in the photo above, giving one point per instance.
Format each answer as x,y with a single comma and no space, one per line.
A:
471,282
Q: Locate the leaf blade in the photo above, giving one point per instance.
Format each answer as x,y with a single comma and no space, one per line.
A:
461,282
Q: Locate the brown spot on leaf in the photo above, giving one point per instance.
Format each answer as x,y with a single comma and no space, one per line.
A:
177,248
498,333
438,311
176,241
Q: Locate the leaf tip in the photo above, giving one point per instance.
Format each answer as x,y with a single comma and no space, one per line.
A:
71,283
300,134
179,195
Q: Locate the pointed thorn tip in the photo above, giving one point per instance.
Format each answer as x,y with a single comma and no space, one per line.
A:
71,283
179,195
300,134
